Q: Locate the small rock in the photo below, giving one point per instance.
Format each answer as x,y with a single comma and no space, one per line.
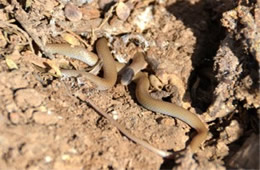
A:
155,82
115,115
11,107
166,121
122,11
89,12
15,118
233,131
48,159
144,19
65,157
72,12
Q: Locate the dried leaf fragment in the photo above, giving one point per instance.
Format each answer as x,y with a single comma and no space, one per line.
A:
55,68
70,39
10,59
28,4
3,41
10,63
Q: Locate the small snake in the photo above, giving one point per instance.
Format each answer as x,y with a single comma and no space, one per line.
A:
144,98
135,67
142,86
110,72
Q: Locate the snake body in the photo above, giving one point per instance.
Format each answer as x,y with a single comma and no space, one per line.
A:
109,69
144,98
79,53
142,93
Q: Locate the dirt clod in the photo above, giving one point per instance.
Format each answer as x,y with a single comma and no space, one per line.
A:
27,98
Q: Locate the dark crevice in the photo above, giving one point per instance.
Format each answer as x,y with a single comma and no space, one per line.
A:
168,164
107,7
204,20
247,118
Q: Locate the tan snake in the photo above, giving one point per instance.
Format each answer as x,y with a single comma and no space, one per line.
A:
142,85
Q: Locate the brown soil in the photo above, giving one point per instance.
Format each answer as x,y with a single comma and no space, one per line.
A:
206,54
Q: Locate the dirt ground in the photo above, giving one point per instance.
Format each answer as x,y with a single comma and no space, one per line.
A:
204,53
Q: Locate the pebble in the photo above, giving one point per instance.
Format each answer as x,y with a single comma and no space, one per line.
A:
48,159
72,12
90,12
122,11
14,117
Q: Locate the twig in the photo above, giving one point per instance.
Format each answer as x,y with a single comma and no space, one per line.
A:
124,131
75,35
110,12
104,21
22,17
8,24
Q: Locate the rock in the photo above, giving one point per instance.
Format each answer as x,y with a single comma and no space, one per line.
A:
72,12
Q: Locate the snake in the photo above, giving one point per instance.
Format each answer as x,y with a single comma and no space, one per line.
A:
133,73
